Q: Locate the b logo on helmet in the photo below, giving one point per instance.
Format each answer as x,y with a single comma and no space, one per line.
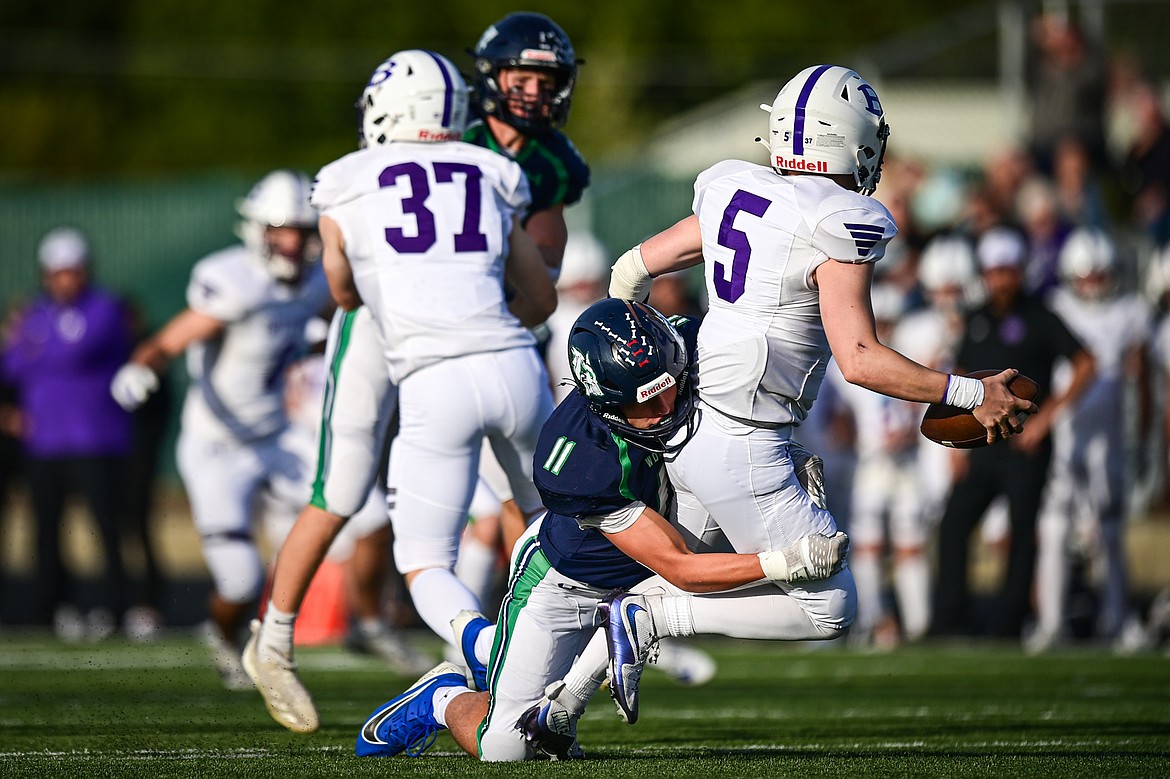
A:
872,104
585,373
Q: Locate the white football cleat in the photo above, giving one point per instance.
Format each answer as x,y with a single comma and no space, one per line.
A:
226,659
685,664
550,728
392,647
286,698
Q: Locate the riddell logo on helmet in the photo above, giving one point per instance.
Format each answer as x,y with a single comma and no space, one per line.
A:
538,55
658,386
444,135
797,163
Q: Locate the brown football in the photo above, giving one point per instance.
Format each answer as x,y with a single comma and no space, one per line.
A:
957,427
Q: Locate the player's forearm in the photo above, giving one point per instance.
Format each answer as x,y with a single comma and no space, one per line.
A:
881,369
173,339
712,572
678,247
549,233
532,310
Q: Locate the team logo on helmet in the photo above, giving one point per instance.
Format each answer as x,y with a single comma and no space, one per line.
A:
585,373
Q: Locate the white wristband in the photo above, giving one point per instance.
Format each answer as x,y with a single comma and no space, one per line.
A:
629,279
963,392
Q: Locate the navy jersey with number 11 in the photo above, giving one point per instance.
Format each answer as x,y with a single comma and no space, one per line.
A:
583,470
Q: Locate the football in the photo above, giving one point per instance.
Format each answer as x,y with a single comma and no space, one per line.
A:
957,427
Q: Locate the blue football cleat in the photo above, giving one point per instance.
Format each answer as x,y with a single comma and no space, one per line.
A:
407,723
467,626
632,643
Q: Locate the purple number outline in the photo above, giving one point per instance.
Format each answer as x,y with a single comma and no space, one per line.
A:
469,240
737,241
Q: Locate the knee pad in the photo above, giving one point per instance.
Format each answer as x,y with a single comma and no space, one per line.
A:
234,563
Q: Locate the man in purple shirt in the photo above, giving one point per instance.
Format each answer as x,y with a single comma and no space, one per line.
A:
60,353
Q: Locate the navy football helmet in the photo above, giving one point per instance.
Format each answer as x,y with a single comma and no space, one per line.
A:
525,40
622,352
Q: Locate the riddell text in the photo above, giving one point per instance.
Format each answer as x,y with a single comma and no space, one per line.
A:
796,163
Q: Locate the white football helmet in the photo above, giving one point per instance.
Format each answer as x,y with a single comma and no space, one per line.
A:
828,120
415,95
1087,251
947,261
1158,275
280,199
888,302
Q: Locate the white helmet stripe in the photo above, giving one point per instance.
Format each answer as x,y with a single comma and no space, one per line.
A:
802,107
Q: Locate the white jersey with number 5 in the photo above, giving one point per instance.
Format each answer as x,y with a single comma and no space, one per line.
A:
762,347
426,227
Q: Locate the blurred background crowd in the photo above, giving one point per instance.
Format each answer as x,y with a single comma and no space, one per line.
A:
1030,156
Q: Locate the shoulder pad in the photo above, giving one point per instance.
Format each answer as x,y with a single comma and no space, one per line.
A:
849,227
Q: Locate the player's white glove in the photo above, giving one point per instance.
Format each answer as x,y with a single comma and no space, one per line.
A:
812,557
810,472
133,384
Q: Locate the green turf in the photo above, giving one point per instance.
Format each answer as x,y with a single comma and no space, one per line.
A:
123,710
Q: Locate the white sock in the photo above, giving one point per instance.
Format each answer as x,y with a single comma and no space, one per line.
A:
276,631
1052,572
476,567
867,572
672,614
442,699
483,644
438,597
912,584
584,678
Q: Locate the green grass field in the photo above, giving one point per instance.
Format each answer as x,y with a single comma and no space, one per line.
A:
124,710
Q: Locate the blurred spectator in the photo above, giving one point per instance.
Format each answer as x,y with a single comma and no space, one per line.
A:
1046,230
10,460
931,336
1012,330
1145,172
60,353
1067,87
1086,504
981,213
901,179
1078,190
1004,174
886,520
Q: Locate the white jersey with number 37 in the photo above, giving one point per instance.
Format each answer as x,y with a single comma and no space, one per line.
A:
762,347
426,229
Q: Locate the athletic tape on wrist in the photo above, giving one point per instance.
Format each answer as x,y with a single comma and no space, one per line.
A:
963,392
629,279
